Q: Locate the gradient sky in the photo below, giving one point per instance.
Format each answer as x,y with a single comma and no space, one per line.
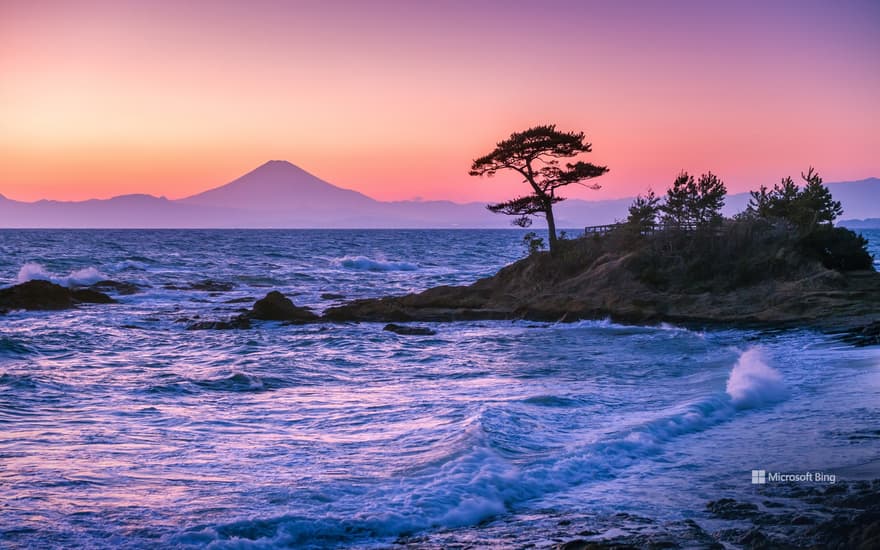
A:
394,99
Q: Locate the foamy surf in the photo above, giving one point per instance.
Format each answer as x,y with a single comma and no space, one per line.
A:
477,482
752,383
363,263
32,271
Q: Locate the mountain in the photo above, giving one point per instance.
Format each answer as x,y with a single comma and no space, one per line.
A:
280,185
135,211
280,194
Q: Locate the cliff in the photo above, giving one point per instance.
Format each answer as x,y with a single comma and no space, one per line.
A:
746,275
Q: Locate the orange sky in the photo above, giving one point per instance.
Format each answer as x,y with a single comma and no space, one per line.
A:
394,99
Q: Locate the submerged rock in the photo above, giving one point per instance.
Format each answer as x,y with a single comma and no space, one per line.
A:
277,307
332,296
408,330
44,295
118,287
728,508
241,322
207,285
868,335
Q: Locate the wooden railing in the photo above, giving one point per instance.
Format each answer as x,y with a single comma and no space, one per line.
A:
646,230
601,229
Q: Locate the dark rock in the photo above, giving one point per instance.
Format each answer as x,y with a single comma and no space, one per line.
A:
802,520
277,307
754,539
409,331
208,285
332,296
577,544
242,300
44,295
593,279
728,508
89,296
868,335
118,287
241,322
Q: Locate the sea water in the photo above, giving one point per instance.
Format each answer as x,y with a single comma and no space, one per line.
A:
120,428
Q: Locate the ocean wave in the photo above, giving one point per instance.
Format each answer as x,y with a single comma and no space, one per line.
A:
551,401
363,263
10,347
753,383
18,381
234,382
32,271
477,482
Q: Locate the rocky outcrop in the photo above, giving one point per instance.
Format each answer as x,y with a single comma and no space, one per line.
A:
277,307
239,322
118,287
588,285
868,335
409,330
44,295
207,285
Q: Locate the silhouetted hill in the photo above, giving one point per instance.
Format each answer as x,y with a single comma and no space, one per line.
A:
135,211
279,185
280,194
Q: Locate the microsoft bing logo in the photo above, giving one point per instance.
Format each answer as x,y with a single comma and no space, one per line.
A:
759,477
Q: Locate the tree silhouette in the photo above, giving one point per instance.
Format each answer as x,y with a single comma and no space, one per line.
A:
535,154
776,203
675,209
694,203
805,208
643,211
815,204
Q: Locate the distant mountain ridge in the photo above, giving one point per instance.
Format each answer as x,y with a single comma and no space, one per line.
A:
280,182
279,194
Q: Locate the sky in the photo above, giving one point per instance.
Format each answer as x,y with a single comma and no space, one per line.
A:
394,99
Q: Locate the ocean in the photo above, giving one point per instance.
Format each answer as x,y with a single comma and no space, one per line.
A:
119,428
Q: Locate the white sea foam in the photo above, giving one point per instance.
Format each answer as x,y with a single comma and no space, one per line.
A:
476,483
753,383
363,263
32,271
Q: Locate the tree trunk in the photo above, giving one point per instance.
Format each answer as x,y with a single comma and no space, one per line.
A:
551,227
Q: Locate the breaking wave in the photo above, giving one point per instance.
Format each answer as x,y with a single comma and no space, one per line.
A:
32,271
363,263
753,383
477,480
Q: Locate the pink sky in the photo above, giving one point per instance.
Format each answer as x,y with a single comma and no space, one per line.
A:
394,99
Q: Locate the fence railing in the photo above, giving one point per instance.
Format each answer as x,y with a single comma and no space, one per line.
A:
645,230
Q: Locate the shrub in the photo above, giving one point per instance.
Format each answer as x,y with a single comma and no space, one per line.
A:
838,248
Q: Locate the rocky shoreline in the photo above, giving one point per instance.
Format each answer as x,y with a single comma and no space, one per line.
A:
844,516
543,288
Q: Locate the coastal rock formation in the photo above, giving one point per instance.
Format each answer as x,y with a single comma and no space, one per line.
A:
277,307
207,285
868,335
590,279
408,330
45,295
239,322
119,287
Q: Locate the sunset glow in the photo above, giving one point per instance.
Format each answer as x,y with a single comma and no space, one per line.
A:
394,99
